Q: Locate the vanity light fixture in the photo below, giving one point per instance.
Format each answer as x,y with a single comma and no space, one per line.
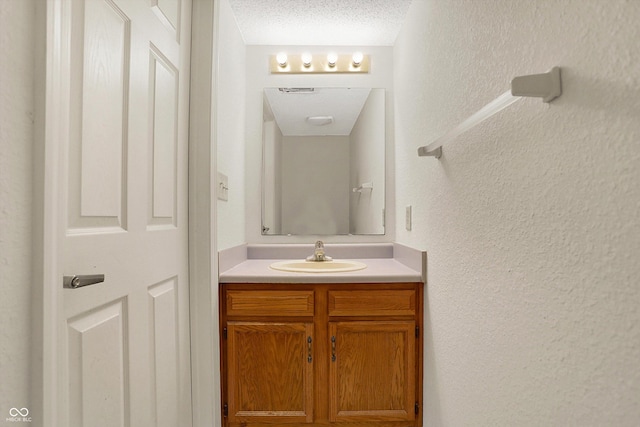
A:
319,63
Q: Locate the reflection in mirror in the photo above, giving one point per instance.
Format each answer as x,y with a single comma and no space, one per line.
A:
323,161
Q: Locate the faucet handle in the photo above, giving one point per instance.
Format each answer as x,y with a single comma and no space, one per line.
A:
318,253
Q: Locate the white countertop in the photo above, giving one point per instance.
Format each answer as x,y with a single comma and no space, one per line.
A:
386,263
379,270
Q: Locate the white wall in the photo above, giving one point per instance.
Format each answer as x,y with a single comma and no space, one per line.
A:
231,127
17,105
365,148
315,184
258,77
531,219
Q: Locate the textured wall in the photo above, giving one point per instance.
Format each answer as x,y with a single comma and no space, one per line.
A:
230,130
17,21
531,219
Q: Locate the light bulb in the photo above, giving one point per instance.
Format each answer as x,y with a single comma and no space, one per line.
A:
282,59
332,58
357,59
306,59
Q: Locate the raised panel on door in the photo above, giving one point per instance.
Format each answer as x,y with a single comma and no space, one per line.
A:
98,131
270,372
165,356
98,368
168,12
163,154
372,371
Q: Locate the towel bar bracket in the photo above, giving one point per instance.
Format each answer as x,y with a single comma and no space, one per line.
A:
437,153
547,86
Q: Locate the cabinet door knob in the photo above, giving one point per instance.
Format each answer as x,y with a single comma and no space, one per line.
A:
333,348
309,358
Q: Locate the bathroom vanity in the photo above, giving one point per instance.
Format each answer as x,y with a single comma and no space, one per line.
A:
339,349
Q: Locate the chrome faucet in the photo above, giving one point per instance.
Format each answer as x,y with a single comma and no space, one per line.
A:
318,253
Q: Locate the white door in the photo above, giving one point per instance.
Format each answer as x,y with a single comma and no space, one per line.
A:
123,348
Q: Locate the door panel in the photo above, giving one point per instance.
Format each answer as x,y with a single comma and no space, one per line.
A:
270,369
100,69
163,304
372,376
168,12
164,91
98,377
126,359
104,76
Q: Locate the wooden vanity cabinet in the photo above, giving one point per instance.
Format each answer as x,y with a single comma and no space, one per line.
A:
321,354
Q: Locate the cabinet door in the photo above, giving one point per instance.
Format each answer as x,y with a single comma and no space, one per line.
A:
270,372
372,371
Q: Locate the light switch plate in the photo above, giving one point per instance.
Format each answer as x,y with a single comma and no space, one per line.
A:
407,224
223,186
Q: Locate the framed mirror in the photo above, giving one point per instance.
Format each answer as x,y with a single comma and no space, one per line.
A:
323,161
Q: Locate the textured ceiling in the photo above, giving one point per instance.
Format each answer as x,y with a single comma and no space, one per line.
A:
320,22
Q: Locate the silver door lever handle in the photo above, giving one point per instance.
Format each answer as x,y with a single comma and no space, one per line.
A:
73,282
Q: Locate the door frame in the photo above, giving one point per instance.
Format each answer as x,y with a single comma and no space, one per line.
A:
51,128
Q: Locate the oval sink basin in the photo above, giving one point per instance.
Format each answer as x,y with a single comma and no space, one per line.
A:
302,266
